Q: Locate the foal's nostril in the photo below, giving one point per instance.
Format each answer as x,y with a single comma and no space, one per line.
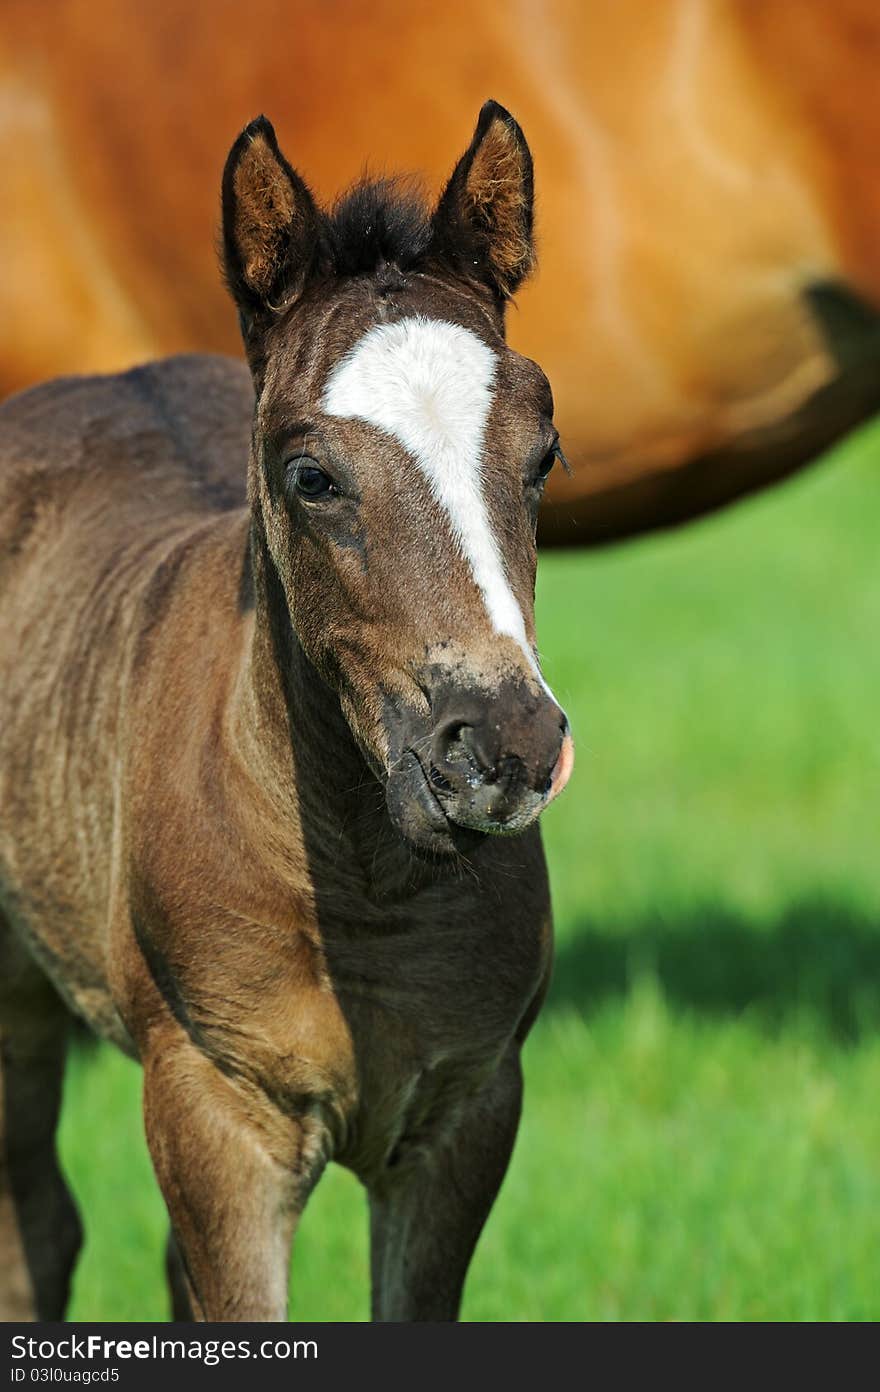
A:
455,743
452,736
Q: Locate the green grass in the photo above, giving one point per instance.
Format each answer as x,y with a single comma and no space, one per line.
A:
701,1136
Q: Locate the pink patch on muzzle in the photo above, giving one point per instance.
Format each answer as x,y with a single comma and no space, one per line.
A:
562,769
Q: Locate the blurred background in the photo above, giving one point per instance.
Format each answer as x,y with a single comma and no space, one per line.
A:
701,1135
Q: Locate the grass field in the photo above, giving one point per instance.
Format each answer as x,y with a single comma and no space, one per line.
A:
702,1130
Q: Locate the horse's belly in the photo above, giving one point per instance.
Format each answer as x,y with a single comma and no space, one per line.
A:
59,712
68,959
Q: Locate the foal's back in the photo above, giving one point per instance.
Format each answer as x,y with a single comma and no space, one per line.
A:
172,434
101,480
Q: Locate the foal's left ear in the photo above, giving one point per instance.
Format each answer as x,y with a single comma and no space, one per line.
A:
483,223
271,226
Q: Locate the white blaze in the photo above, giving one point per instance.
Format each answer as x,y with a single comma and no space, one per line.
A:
430,385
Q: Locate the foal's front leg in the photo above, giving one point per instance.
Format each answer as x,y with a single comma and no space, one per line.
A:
426,1216
235,1174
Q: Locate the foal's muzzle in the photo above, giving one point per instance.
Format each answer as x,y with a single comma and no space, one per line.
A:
489,764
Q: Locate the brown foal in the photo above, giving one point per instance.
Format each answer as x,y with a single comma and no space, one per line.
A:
271,766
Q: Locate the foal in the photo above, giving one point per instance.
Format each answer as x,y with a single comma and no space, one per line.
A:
261,760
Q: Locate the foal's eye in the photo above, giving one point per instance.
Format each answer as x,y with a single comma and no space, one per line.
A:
309,481
312,482
546,464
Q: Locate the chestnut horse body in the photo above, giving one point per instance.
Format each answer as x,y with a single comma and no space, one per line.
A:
252,750
709,204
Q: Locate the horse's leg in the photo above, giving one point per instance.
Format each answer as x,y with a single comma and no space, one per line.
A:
40,1231
178,1283
425,1218
235,1173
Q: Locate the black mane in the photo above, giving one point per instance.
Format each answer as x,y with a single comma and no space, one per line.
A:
377,223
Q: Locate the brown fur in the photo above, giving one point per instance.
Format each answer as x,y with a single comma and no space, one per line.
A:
703,167
201,696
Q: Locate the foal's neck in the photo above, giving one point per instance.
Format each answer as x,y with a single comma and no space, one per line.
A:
298,744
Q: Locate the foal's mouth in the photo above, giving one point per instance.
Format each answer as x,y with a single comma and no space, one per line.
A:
418,813
429,813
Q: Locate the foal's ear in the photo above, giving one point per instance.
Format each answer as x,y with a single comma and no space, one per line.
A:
483,222
271,226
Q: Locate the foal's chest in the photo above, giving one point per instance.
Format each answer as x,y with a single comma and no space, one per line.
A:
430,1013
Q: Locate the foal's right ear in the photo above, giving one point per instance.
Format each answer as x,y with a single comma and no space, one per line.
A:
271,227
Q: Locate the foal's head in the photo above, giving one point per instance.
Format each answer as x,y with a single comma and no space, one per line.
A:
400,450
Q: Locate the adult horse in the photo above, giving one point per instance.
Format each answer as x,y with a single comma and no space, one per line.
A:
709,204
251,752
